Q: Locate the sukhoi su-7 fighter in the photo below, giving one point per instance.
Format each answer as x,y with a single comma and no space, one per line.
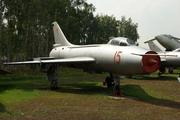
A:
118,57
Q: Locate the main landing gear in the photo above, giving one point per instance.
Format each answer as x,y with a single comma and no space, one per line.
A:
116,85
161,71
51,75
170,69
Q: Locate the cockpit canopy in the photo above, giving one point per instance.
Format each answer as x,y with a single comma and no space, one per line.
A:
121,41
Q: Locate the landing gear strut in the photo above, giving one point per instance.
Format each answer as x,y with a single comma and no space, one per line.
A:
52,76
54,85
170,69
161,71
116,88
116,85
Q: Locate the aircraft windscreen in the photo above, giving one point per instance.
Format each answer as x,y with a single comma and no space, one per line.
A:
131,42
123,43
115,42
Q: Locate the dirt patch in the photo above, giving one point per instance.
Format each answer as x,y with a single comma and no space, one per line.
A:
122,97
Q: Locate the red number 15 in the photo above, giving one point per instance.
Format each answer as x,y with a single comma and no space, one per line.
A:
117,55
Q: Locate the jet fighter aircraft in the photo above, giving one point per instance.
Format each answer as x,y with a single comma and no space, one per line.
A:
167,41
97,58
170,59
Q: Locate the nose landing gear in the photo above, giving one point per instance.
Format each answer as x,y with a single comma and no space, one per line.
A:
116,85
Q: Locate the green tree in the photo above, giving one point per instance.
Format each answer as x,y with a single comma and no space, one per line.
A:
106,24
128,29
28,31
1,19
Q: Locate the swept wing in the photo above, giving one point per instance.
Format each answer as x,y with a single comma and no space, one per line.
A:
53,61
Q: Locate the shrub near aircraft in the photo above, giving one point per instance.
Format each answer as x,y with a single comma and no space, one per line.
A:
119,57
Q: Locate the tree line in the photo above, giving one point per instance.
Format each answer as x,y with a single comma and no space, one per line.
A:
26,26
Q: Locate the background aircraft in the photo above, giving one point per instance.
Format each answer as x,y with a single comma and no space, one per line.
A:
167,41
112,58
170,59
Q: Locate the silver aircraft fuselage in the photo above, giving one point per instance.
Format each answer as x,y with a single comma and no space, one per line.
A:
108,58
170,59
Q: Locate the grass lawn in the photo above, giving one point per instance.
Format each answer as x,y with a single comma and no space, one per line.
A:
26,95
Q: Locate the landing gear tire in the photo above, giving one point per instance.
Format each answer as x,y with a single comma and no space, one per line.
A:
54,85
108,82
161,71
170,71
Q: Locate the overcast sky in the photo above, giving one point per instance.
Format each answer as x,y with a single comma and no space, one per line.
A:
154,17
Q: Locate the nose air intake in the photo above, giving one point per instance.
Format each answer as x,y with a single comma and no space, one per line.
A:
151,63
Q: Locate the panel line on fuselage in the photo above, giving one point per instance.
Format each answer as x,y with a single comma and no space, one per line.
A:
72,47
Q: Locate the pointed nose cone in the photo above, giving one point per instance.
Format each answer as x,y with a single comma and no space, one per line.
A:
151,62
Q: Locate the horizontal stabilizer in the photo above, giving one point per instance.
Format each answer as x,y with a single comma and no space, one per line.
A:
150,40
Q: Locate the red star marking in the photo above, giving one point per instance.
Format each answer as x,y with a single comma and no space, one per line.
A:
153,46
57,30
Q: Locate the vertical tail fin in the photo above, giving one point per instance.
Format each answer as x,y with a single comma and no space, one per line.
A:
59,35
154,47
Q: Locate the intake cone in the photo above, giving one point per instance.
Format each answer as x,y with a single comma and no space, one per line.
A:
151,63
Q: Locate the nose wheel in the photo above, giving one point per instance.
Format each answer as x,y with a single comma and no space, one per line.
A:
54,85
116,88
116,85
108,82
